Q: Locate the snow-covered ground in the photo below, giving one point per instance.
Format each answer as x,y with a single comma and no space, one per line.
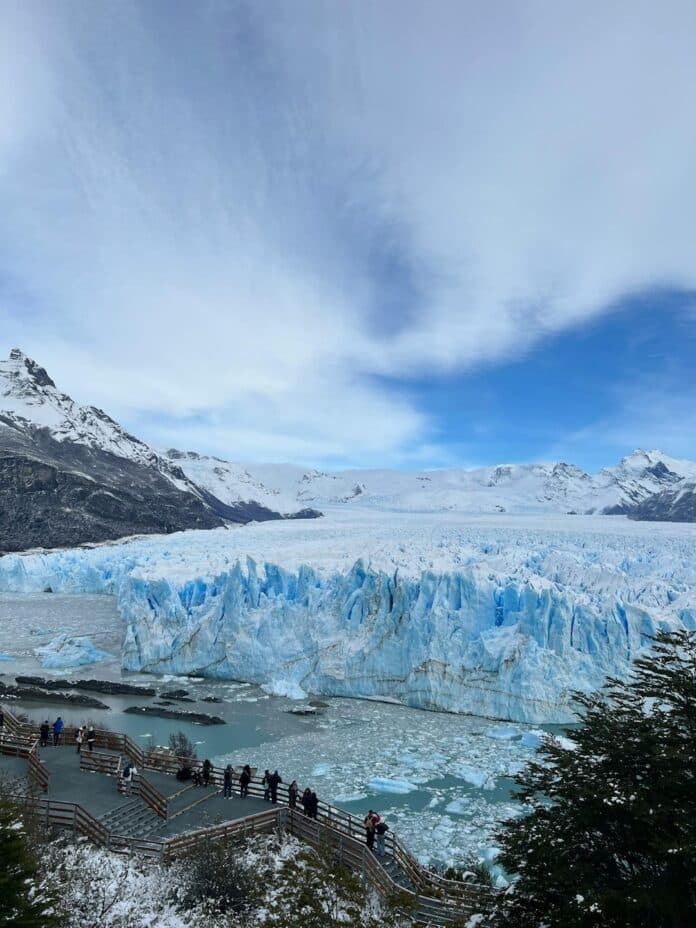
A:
496,615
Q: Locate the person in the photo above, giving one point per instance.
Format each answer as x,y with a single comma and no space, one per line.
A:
2,718
313,805
91,737
244,780
57,730
370,823
292,794
43,733
227,782
79,738
266,783
207,770
274,782
381,829
307,801
127,775
196,777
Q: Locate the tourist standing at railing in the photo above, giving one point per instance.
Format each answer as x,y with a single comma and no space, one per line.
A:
57,730
91,737
370,823
313,805
266,783
206,771
307,801
244,780
381,829
43,733
227,782
274,782
127,776
292,794
79,738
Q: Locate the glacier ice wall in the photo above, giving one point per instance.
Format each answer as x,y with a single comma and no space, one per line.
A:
503,627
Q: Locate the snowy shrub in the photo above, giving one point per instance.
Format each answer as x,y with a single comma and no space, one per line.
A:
181,745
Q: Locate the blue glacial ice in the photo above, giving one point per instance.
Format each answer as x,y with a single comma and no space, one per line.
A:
436,613
64,652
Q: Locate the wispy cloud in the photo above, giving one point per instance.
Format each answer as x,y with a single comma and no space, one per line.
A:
221,222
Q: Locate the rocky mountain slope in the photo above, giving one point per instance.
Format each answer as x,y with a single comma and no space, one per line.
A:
69,474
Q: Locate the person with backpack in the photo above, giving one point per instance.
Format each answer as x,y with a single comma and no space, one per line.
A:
292,794
127,775
244,781
274,782
79,738
227,782
381,829
44,731
370,823
91,737
57,730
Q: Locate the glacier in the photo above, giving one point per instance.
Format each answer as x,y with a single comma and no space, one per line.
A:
494,616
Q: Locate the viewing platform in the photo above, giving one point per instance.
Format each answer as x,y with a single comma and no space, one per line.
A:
164,817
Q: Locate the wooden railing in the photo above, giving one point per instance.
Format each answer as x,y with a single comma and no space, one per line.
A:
99,762
260,823
38,772
149,793
72,815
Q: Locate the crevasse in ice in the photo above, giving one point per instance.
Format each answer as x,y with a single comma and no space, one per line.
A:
435,614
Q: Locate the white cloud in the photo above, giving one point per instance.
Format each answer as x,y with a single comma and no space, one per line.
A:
235,219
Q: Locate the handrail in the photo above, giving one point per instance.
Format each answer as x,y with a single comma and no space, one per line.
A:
250,824
149,793
38,772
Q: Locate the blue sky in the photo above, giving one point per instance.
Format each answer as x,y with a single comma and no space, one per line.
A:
395,234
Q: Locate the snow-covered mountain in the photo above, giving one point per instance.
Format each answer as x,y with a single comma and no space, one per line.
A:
70,474
515,488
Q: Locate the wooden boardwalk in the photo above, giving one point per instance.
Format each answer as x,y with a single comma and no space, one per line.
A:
165,818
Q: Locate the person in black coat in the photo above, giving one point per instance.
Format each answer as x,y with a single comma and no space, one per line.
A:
274,782
314,805
244,780
292,794
44,732
307,801
206,771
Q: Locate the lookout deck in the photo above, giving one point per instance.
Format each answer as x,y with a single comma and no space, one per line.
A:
164,817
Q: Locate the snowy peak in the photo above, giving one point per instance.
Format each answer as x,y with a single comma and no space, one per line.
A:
559,487
30,400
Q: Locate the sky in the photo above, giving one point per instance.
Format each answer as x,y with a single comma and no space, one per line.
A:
357,233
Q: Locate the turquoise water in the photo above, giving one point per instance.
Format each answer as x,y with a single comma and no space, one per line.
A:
453,773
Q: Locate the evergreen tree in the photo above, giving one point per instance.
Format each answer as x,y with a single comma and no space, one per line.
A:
23,901
610,838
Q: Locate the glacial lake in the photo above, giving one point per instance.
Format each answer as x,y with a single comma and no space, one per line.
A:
442,781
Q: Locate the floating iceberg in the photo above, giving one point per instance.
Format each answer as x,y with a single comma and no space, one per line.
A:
387,785
64,652
447,612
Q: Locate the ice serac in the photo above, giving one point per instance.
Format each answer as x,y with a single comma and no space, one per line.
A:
498,619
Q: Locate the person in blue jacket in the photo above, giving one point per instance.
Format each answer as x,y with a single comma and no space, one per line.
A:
57,730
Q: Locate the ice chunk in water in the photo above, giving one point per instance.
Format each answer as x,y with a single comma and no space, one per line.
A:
63,652
386,785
